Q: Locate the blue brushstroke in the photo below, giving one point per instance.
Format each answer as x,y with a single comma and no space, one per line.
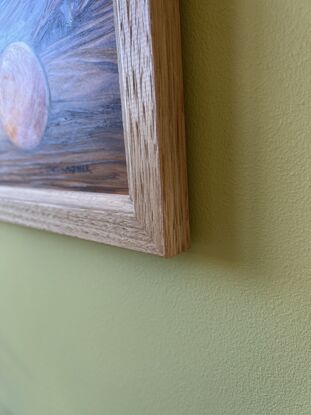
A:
20,18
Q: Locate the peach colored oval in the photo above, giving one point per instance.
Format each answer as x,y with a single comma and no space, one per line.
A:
24,96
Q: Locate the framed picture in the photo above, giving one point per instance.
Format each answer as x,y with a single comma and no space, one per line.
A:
92,137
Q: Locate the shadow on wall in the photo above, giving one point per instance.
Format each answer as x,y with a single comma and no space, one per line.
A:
221,198
12,368
4,410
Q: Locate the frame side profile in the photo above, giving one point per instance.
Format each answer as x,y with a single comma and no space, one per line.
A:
152,84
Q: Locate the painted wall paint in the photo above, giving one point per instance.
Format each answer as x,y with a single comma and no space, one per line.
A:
224,329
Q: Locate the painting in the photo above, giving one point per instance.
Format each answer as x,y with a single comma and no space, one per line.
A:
92,126
60,103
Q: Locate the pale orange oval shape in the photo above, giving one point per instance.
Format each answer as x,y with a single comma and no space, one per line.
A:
24,96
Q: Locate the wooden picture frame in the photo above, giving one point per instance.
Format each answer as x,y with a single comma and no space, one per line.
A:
154,218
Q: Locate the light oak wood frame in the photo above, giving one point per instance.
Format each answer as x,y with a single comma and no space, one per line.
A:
154,218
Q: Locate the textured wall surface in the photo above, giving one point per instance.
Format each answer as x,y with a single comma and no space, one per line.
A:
225,328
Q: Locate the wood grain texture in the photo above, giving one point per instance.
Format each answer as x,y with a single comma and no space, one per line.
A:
154,218
169,95
83,144
153,103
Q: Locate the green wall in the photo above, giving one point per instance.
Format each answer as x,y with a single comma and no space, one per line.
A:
226,328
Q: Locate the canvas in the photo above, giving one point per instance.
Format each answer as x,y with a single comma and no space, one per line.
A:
60,106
